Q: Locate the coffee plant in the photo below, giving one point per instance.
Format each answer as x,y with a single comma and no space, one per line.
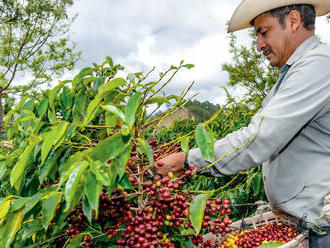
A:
76,170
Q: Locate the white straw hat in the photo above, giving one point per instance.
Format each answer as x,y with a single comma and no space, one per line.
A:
249,9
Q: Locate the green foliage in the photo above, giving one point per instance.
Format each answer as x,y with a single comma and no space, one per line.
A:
69,144
205,141
146,149
196,210
10,226
249,72
33,40
243,189
273,244
177,129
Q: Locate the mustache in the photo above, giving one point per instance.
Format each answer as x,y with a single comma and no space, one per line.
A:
267,50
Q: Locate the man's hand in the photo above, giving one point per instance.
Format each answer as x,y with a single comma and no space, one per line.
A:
173,163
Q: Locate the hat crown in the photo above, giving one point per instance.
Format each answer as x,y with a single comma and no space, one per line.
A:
250,9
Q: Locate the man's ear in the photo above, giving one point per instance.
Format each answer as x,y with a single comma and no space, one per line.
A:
293,20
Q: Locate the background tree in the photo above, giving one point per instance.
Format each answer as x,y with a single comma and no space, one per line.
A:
249,72
33,45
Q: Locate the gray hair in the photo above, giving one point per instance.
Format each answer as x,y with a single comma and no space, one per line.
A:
306,11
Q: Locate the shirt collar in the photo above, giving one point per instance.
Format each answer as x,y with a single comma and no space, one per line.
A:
299,52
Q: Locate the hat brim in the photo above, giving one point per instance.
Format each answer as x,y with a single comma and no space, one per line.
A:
249,9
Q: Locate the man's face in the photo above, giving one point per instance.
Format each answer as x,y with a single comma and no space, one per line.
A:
272,39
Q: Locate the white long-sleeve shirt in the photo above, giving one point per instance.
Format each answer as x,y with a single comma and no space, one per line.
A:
292,136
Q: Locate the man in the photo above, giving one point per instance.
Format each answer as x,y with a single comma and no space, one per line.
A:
290,135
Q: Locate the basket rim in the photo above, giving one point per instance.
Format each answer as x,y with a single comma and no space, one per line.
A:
269,217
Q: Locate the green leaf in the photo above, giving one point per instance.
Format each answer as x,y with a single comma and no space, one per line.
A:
110,61
113,172
189,244
93,190
48,141
52,138
110,120
92,109
47,166
122,160
187,232
60,131
249,182
27,118
272,244
111,85
131,77
185,145
99,170
22,102
188,66
18,203
170,97
74,158
132,105
9,116
76,241
49,208
68,133
51,116
88,80
60,219
27,112
51,103
257,184
125,183
205,141
16,175
146,149
80,104
150,85
10,227
3,169
80,75
108,148
4,207
196,211
42,108
87,209
115,110
74,187
159,100
125,130
31,228
33,200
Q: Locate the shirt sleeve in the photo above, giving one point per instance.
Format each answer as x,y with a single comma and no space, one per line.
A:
304,91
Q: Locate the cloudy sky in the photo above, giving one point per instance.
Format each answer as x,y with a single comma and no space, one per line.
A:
141,34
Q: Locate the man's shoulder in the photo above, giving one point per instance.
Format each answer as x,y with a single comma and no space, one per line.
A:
322,50
316,56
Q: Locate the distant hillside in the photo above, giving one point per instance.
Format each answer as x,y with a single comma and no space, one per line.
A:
202,111
198,111
181,114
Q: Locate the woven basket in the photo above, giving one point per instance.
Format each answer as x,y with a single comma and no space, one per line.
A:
301,241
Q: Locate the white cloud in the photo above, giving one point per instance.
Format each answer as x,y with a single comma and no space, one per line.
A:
146,33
